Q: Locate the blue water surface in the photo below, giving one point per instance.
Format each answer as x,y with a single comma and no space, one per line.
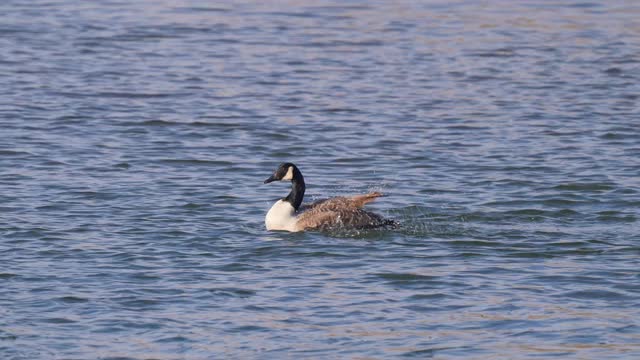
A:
135,136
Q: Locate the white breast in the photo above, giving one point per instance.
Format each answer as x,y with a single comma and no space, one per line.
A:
281,216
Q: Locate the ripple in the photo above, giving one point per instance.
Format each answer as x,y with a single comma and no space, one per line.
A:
405,277
594,295
233,292
56,320
585,187
72,299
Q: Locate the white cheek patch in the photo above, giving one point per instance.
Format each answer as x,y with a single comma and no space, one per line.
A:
289,175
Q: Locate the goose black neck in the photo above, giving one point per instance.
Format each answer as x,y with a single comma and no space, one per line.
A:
297,189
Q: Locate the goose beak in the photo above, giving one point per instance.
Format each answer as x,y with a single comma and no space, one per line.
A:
270,179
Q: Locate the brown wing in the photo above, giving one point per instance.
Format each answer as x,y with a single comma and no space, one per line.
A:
316,219
340,202
362,200
341,212
351,218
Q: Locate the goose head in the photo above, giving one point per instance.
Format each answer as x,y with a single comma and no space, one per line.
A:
289,172
284,172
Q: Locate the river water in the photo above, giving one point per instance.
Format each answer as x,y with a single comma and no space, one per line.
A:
135,137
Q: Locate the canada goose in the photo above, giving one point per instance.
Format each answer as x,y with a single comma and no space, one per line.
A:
346,212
